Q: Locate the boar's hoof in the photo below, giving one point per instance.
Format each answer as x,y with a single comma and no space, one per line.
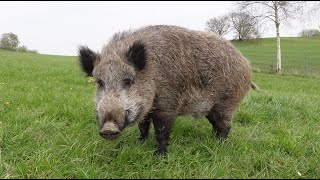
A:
142,139
222,139
161,152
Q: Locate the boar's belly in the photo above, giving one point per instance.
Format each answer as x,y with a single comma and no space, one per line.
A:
197,109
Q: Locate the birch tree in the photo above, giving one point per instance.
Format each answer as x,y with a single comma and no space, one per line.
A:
276,12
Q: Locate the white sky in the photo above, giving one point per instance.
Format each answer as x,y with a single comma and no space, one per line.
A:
60,27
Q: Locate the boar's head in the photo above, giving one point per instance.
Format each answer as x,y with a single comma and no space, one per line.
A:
125,88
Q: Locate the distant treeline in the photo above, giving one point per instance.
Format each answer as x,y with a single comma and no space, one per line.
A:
11,41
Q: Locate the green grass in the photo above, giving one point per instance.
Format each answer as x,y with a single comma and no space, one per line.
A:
300,56
48,130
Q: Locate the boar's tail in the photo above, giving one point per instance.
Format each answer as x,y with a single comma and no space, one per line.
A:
254,86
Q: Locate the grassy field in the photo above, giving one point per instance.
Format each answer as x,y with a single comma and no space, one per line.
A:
48,130
300,56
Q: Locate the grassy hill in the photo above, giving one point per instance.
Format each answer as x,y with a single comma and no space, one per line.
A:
48,130
299,55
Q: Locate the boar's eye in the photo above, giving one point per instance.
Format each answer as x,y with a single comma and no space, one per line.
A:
128,112
127,83
100,83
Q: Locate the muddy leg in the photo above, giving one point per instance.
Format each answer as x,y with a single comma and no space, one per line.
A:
162,122
144,127
221,122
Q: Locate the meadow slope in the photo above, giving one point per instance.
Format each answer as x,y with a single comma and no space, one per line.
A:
48,130
300,56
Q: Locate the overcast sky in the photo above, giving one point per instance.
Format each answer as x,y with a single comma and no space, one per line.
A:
60,27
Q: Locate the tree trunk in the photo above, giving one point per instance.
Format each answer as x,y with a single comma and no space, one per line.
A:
278,69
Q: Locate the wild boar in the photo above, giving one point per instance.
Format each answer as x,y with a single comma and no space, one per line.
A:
161,72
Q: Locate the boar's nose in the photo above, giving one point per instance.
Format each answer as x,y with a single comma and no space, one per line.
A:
110,135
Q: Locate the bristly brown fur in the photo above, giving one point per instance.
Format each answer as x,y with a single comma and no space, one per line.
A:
176,72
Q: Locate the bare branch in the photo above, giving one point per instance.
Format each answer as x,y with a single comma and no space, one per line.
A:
219,25
244,25
267,9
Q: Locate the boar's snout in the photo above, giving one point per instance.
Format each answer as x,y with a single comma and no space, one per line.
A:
110,135
109,131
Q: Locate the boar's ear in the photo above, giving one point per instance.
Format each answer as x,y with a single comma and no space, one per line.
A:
137,55
87,58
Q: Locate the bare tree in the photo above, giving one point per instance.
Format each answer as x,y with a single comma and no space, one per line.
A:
315,7
275,11
219,25
309,33
244,25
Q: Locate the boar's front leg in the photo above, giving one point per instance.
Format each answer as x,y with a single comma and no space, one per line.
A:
163,122
220,117
144,127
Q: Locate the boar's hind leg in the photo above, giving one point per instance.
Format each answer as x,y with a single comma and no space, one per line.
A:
162,122
220,118
144,127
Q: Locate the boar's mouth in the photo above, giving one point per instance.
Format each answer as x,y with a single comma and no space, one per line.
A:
111,130
109,135
127,121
